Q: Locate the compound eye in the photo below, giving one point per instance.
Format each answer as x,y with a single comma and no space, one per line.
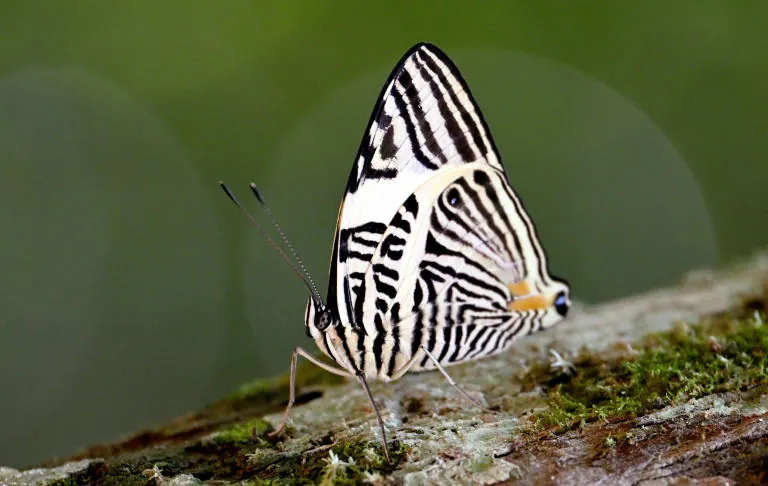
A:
324,319
561,304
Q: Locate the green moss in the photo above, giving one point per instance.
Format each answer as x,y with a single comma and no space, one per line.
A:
348,462
243,432
720,355
100,473
370,455
356,462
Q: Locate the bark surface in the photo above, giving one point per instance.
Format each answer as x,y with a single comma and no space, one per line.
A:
540,425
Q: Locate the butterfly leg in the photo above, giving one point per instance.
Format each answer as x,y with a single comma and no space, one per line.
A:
362,381
420,355
450,380
292,387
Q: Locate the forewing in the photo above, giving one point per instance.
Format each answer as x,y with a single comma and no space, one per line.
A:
425,121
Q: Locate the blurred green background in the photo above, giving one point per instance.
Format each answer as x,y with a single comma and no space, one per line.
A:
132,291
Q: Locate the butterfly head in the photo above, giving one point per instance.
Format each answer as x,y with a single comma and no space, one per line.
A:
318,317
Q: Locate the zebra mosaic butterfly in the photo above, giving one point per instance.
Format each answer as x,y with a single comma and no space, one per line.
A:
435,260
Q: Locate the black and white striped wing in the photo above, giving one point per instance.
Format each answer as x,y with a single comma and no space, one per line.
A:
472,277
424,122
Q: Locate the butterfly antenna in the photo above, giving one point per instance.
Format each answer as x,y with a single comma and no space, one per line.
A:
285,239
307,282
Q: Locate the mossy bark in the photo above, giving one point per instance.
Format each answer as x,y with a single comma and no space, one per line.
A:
663,388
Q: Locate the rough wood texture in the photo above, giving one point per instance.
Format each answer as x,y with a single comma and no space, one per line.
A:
715,438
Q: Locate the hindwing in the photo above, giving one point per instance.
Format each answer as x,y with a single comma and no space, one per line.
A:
471,279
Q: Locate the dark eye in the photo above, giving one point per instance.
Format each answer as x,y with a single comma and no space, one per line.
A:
324,319
454,198
561,304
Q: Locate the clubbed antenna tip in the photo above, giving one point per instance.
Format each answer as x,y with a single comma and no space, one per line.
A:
256,192
229,193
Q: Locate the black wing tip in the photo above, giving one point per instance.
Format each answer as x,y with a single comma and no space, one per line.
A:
437,52
445,59
427,47
423,46
418,47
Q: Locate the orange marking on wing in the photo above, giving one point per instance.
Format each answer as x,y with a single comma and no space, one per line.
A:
535,302
523,298
519,289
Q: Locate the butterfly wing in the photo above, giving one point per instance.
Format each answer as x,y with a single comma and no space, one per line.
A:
433,247
424,121
460,271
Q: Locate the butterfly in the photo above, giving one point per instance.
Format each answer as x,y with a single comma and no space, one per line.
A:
435,260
